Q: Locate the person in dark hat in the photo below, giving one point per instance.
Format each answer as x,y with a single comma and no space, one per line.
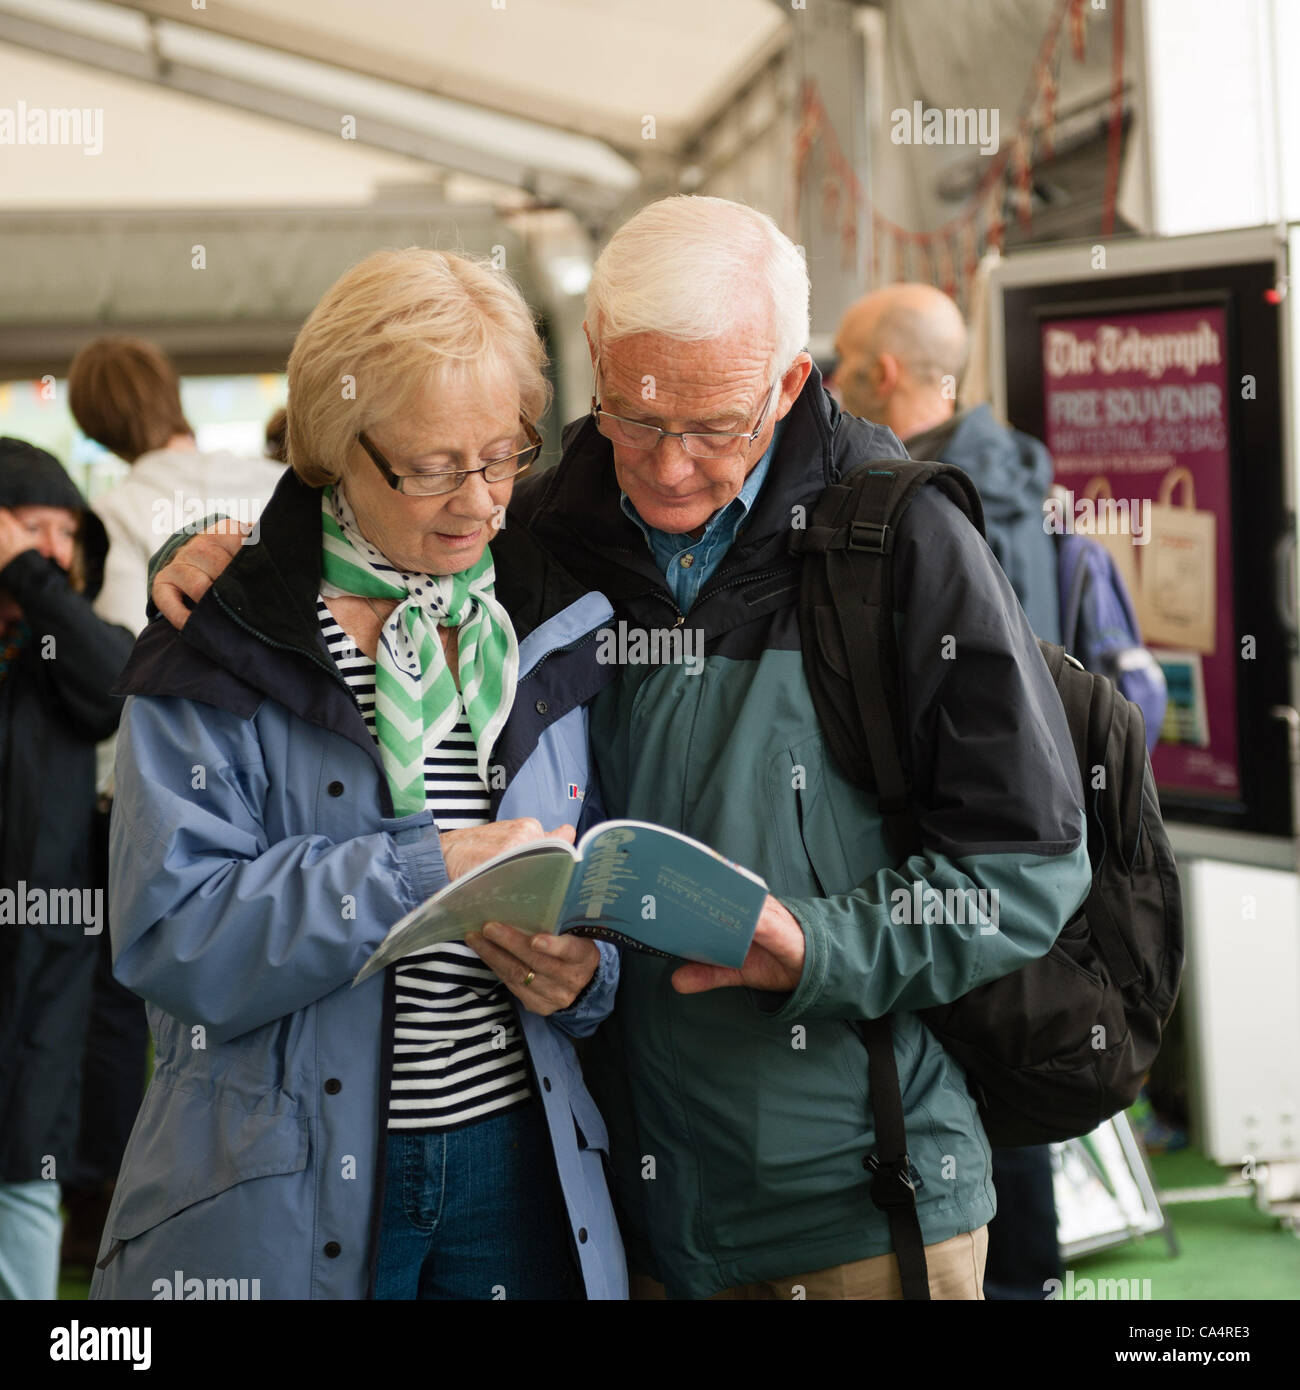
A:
57,662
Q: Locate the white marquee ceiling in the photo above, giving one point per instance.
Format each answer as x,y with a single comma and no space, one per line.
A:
241,101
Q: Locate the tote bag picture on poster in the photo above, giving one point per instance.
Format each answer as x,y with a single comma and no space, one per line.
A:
1178,570
1118,543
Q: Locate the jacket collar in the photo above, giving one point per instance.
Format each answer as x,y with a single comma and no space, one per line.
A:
270,587
256,630
269,590
576,509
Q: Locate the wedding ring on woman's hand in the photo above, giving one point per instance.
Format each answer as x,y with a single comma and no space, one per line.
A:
530,977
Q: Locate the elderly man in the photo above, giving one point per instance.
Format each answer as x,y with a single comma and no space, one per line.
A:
738,1100
901,350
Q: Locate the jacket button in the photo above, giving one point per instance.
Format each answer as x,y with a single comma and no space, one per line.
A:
542,707
335,789
333,1086
546,1083
582,1235
333,1249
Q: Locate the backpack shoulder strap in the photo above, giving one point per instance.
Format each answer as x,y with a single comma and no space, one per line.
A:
854,525
846,617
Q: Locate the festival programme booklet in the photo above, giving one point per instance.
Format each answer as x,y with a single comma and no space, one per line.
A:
625,881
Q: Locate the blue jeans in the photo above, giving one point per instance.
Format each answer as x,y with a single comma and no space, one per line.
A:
476,1212
30,1228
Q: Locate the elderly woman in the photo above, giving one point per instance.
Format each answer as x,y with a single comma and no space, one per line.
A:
361,709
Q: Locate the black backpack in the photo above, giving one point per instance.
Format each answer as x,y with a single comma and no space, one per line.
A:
1063,1043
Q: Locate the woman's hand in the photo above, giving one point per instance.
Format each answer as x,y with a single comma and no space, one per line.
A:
14,537
463,850
545,973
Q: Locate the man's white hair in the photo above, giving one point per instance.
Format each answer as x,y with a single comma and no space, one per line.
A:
694,268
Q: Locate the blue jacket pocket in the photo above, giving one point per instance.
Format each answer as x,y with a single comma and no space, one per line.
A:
186,1148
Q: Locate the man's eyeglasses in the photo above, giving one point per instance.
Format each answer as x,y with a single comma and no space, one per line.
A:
700,444
434,484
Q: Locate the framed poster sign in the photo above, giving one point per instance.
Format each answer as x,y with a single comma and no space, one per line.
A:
1136,414
1159,390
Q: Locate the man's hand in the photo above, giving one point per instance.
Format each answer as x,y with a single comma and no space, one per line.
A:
463,850
14,537
557,968
774,960
195,567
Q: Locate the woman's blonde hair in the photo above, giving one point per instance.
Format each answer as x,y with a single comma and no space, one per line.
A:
396,324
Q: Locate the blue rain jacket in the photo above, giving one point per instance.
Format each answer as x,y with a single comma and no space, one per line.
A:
255,865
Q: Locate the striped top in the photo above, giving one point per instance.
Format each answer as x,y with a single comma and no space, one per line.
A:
458,1053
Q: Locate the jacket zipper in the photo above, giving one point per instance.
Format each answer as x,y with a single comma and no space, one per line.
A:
327,667
745,579
665,595
559,651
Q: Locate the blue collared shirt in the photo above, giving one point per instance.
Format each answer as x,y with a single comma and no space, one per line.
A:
688,564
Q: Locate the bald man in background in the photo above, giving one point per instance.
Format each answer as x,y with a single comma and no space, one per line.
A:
901,352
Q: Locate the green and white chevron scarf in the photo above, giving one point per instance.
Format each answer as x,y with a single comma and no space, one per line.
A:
416,700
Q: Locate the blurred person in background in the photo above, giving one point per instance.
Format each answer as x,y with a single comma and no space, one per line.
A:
57,662
901,351
125,394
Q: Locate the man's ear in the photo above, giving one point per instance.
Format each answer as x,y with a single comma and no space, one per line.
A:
591,346
884,374
796,374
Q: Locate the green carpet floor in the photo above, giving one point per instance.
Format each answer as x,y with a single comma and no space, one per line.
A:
1227,1249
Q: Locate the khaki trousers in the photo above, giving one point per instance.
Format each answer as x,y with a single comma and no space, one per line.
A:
955,1268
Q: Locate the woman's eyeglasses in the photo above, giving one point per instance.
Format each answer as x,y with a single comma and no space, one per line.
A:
434,484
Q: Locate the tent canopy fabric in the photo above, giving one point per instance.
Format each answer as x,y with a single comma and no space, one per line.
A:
278,100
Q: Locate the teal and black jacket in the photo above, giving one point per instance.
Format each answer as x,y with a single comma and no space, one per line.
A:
739,1119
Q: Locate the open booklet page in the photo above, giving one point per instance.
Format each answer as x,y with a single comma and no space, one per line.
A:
660,891
521,890
636,884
